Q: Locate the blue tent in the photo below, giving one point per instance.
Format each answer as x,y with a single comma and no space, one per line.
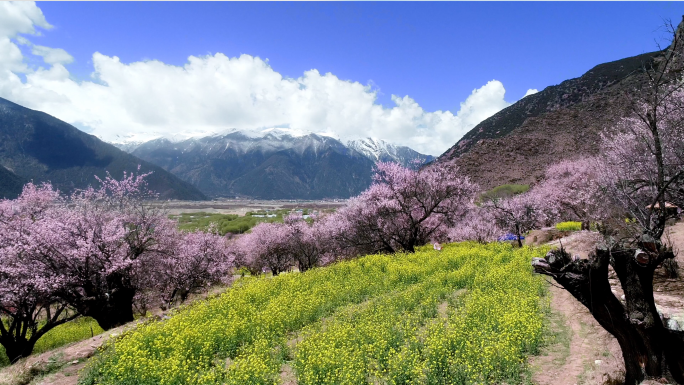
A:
509,237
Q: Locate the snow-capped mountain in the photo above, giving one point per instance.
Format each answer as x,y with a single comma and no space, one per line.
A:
379,150
273,163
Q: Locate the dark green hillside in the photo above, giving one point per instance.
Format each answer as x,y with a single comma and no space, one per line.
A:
288,175
10,184
40,147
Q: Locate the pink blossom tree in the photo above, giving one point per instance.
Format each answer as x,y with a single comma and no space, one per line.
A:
198,260
643,163
520,213
106,236
266,246
403,209
29,306
104,246
572,188
641,171
91,254
478,225
308,243
357,229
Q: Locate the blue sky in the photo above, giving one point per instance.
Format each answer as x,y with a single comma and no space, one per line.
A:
435,53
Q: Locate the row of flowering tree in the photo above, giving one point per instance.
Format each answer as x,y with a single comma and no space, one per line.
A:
93,253
98,251
401,210
629,189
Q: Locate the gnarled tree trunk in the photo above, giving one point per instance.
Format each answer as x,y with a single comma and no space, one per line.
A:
110,310
649,349
17,348
19,331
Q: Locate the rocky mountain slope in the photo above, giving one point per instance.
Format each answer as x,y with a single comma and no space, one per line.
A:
561,122
274,163
35,146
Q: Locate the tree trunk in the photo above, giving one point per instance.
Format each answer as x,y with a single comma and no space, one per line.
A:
112,310
302,265
648,348
518,235
184,294
674,354
17,348
22,330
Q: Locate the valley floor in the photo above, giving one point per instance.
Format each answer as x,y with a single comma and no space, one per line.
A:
242,206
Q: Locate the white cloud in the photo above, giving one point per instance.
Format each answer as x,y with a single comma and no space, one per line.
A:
52,55
11,58
148,99
531,91
20,17
17,17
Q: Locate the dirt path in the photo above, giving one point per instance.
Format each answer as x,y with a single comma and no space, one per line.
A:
59,366
580,351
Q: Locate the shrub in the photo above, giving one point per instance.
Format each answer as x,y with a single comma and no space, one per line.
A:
569,226
504,191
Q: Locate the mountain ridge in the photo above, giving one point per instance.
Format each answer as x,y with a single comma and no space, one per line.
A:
562,121
274,163
380,150
373,148
35,146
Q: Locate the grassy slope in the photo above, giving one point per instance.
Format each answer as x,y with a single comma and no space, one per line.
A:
76,330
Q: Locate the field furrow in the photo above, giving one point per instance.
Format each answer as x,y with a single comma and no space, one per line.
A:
375,319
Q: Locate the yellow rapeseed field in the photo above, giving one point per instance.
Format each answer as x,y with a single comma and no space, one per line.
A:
468,314
569,226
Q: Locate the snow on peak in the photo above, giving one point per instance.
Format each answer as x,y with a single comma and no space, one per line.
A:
279,138
279,132
275,132
373,148
379,150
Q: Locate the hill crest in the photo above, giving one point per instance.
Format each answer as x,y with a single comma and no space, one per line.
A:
35,146
563,121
